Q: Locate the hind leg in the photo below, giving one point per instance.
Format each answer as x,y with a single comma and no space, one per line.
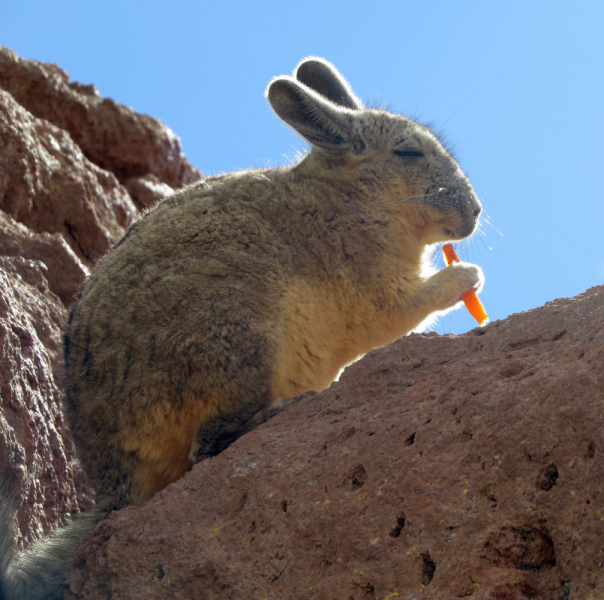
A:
218,433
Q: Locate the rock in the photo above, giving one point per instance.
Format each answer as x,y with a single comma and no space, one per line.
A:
112,136
63,153
147,191
48,185
64,271
35,449
437,467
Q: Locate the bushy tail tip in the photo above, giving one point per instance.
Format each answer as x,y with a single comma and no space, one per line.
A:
41,573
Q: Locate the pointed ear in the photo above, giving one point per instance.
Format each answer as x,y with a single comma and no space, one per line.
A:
321,122
321,76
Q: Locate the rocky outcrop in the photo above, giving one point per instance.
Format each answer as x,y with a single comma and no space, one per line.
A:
62,268
438,467
147,190
35,449
74,171
48,185
110,135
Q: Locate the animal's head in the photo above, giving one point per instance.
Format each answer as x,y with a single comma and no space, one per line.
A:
404,164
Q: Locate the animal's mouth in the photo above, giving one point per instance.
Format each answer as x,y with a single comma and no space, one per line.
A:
463,234
470,229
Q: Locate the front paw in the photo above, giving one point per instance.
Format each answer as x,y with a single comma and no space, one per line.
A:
457,279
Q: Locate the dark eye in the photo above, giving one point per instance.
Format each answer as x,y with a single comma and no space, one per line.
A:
408,153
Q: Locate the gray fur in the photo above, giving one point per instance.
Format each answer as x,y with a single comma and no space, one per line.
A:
40,574
227,301
321,76
321,122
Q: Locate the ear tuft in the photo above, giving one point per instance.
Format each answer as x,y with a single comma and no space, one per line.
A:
320,75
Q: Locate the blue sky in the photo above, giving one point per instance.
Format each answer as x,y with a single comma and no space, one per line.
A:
516,87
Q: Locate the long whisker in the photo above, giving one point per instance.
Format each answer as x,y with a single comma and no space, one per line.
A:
462,104
487,220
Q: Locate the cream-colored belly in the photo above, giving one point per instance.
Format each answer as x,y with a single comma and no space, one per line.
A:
321,332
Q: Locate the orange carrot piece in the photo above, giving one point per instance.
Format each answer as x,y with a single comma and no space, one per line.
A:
450,254
470,299
474,306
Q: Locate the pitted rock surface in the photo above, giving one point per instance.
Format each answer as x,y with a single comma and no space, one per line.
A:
64,271
34,444
438,467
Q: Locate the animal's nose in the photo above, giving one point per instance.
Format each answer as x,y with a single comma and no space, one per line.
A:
472,203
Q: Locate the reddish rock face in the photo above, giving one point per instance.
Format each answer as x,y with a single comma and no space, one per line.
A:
112,136
48,185
64,152
34,445
438,467
147,191
63,270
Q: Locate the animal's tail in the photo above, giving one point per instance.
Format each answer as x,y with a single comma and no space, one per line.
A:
41,573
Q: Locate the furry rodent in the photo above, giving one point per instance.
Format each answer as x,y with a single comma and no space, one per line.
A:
237,294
